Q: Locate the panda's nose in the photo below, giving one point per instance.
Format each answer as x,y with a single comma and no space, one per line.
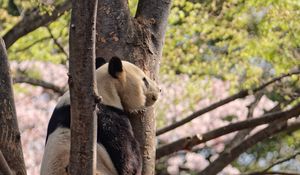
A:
154,98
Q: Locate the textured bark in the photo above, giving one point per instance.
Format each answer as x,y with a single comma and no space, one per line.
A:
82,88
4,168
139,40
10,138
33,20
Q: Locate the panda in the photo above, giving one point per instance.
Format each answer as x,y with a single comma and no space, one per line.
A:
124,88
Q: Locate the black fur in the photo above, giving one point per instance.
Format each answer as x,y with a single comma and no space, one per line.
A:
114,133
60,118
99,62
115,66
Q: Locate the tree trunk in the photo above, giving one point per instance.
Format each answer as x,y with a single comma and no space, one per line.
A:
82,88
139,40
10,138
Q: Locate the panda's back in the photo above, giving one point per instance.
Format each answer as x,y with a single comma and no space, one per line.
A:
116,135
114,132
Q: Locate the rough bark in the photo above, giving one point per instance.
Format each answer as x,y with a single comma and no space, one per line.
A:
33,20
83,88
10,138
4,168
139,40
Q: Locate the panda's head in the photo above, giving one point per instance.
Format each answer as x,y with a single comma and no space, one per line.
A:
123,85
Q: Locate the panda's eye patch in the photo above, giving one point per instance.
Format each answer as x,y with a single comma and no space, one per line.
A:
146,82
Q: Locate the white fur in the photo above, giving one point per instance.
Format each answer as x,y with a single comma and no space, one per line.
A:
128,91
56,156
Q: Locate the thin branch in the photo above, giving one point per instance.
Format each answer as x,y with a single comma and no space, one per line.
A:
281,161
238,95
32,44
33,20
41,83
189,142
271,173
226,157
60,47
241,135
4,168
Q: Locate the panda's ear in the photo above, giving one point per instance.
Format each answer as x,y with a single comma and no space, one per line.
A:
115,67
99,62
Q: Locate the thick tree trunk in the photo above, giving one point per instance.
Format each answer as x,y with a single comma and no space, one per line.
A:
10,138
139,40
82,88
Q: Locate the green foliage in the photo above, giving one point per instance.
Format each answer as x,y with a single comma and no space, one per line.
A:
239,41
40,46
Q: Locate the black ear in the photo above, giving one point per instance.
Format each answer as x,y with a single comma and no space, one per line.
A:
115,66
99,62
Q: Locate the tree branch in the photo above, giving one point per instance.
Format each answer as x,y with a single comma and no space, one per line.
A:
60,47
32,21
4,168
226,157
281,161
41,83
189,142
241,135
272,173
238,95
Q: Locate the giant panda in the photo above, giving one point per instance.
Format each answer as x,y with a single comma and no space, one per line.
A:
124,88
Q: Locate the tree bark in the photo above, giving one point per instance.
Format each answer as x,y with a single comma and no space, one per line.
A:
82,85
139,40
4,168
10,137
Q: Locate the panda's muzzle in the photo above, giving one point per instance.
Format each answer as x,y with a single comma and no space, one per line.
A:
154,98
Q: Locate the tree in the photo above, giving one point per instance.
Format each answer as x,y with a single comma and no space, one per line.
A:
82,83
224,63
137,39
11,154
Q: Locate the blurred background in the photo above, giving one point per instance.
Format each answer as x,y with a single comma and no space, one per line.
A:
213,49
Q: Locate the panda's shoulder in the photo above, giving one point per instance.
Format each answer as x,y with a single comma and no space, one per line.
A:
109,115
59,118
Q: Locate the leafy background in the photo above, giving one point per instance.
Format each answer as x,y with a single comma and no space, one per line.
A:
212,50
